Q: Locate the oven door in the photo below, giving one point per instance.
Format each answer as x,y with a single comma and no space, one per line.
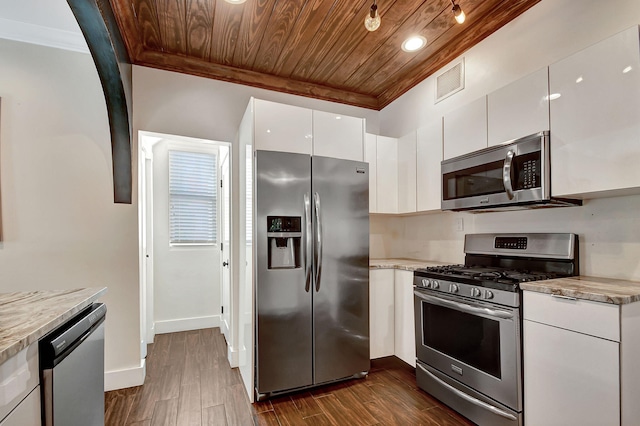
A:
473,342
508,174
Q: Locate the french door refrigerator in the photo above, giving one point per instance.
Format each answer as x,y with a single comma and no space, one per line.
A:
311,271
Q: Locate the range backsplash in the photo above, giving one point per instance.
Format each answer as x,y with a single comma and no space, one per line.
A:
608,228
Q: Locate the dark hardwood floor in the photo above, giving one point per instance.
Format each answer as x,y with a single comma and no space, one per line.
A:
189,382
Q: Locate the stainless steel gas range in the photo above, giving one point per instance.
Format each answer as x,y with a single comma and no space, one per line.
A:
469,321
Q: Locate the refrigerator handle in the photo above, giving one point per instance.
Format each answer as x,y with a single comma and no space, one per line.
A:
307,242
318,251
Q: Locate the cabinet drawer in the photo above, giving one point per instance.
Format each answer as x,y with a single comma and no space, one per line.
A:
593,318
19,375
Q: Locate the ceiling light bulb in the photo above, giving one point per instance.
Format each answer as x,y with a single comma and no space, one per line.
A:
458,13
372,21
235,1
414,43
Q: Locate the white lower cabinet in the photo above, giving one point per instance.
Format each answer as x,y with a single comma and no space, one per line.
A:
581,361
405,340
570,378
27,413
381,313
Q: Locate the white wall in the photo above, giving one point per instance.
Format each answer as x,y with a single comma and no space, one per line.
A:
608,228
62,229
186,278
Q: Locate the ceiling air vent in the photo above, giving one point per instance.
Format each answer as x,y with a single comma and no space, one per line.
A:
450,81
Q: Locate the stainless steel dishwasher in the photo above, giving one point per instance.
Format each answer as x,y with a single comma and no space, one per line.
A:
72,370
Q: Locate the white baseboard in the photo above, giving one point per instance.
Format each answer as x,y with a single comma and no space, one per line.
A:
120,379
233,356
224,328
186,324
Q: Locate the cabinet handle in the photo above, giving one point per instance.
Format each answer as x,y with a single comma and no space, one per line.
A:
558,296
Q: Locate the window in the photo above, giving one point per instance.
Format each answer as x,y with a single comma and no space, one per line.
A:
193,190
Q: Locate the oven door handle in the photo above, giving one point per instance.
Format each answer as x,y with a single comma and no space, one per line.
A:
468,398
464,307
506,174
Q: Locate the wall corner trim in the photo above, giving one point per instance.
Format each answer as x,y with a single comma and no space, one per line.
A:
126,378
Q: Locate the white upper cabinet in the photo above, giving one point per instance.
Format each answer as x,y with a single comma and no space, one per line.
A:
280,127
338,136
465,129
407,173
595,121
428,157
519,109
387,174
370,145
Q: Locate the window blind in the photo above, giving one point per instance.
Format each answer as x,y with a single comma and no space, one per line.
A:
193,190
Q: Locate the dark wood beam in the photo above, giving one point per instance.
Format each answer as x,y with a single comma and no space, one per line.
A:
98,24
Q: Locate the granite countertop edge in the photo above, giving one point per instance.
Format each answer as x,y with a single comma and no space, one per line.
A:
11,343
595,289
402,264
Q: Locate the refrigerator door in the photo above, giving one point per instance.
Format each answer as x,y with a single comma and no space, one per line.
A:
283,298
341,267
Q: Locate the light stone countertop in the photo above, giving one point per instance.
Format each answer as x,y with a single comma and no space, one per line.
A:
606,290
28,315
404,264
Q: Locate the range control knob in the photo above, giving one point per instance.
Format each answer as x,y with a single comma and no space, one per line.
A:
488,294
435,284
475,292
425,282
453,288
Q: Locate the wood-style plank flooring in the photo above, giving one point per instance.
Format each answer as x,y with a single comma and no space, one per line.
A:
189,382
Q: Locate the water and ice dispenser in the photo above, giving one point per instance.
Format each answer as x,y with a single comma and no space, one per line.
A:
284,235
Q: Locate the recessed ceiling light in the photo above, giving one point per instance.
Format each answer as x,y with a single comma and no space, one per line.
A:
579,79
235,1
627,69
414,43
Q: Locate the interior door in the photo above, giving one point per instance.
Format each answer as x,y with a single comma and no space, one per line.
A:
341,295
225,230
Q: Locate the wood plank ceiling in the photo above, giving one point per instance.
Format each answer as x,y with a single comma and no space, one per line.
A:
313,48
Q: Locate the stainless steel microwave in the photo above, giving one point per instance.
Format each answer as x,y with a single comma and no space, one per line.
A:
511,176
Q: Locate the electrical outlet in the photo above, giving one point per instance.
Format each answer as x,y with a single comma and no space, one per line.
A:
460,224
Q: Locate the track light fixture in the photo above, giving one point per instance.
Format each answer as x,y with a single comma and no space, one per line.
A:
457,12
372,21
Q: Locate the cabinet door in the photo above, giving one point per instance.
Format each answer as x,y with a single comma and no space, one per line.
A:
407,173
27,413
519,109
381,313
370,157
428,175
280,127
569,378
405,338
595,129
465,129
338,136
387,180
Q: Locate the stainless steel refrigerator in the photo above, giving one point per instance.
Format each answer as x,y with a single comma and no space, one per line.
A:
311,271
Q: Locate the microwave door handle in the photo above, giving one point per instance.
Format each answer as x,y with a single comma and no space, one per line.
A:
466,397
463,307
506,174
